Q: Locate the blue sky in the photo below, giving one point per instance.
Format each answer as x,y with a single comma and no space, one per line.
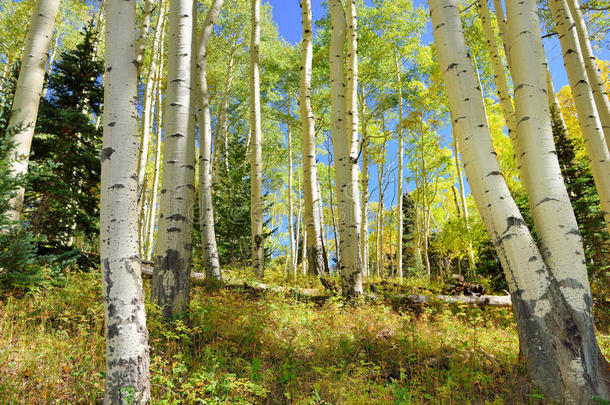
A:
287,16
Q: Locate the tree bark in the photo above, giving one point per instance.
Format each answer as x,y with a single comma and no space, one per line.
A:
553,313
580,370
50,63
208,233
318,263
290,203
148,95
458,170
364,228
503,27
127,353
554,106
150,232
343,137
144,31
588,119
256,162
499,75
399,128
171,284
24,110
595,81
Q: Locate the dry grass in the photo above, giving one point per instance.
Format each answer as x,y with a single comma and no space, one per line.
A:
239,348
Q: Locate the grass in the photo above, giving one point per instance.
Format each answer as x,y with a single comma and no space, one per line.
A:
240,348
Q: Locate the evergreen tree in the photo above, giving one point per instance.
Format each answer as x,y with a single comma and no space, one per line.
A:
408,234
17,246
231,196
63,195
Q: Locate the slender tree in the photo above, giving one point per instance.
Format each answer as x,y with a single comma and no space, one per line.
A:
588,119
290,202
127,356
221,148
157,47
27,94
399,129
208,233
499,74
364,231
171,279
347,190
552,308
316,256
256,162
144,31
150,230
595,81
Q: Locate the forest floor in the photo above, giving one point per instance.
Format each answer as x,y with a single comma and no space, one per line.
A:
239,347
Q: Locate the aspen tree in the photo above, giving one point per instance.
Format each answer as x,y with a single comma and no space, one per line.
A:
588,119
347,191
499,74
595,81
144,31
222,148
290,203
256,162
24,111
460,179
208,233
400,129
352,119
318,263
553,102
585,376
50,63
553,313
171,279
364,245
150,232
127,355
148,96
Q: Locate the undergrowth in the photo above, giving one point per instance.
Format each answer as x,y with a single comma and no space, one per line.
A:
241,348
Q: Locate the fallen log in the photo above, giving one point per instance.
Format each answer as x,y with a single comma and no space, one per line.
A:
317,295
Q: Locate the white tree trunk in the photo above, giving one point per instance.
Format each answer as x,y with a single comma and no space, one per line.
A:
580,370
144,31
347,190
399,128
50,63
595,81
315,251
24,111
364,232
171,282
148,95
222,148
588,119
208,233
552,99
460,179
127,355
556,337
499,75
150,232
256,159
290,203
